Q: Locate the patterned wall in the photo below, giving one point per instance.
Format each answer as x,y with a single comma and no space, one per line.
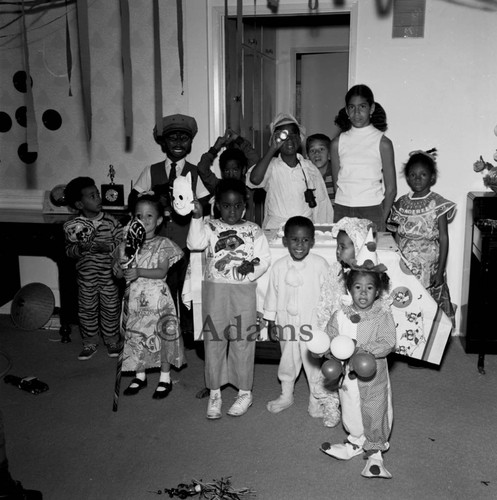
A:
64,152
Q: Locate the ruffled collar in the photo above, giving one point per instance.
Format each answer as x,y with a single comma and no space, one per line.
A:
380,306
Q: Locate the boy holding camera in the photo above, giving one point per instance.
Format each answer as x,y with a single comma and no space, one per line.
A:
294,186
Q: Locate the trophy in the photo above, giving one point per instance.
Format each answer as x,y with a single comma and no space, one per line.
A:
112,194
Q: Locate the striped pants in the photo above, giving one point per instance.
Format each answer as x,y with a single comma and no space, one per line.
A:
99,309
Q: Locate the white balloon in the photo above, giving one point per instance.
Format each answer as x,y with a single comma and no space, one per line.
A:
319,343
342,347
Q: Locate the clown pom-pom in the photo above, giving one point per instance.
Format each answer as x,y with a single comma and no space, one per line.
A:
342,347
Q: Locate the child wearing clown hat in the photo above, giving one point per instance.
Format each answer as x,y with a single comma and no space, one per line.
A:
366,402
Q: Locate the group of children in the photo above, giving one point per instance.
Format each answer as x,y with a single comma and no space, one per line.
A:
346,298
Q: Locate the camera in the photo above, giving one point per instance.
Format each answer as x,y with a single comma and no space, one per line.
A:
282,136
310,198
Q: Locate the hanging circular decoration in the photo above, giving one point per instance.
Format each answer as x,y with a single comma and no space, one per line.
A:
21,116
25,155
5,122
19,80
51,119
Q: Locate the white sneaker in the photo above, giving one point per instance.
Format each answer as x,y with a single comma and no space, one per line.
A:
343,451
214,407
241,405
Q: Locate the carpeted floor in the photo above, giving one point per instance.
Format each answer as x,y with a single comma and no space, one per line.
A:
69,444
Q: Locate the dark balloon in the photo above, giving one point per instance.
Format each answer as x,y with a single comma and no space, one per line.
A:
52,119
5,122
25,155
332,369
19,80
364,364
21,116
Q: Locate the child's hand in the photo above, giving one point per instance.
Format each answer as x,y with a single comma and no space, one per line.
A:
272,333
131,274
245,268
232,135
117,269
197,209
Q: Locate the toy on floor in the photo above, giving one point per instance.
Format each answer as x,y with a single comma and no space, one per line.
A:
218,489
28,384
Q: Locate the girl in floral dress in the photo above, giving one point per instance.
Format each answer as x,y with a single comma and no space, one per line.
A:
150,325
420,219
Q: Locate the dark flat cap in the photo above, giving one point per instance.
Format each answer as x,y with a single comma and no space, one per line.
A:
178,123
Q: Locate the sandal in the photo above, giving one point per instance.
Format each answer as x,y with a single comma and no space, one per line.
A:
140,384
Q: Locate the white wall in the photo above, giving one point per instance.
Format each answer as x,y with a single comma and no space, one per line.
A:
438,91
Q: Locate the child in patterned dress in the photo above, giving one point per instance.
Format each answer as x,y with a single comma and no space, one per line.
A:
238,253
420,219
367,412
150,324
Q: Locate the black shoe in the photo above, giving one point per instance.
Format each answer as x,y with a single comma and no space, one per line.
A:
15,491
203,393
140,384
168,387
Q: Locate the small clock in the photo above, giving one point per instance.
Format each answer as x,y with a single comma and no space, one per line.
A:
112,195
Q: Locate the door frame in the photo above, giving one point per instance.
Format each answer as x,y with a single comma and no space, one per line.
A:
216,47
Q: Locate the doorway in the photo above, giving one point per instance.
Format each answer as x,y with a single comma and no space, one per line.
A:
295,64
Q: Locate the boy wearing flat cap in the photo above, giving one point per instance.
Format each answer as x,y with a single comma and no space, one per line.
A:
175,140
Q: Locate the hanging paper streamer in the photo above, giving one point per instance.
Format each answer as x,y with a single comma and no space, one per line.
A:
84,59
31,127
239,58
179,17
127,73
157,70
68,53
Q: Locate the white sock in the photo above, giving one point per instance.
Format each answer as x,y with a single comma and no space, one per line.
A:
165,377
241,393
215,393
140,376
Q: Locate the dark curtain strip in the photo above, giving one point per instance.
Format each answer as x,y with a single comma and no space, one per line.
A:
157,69
84,61
179,17
239,58
68,53
127,73
31,127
